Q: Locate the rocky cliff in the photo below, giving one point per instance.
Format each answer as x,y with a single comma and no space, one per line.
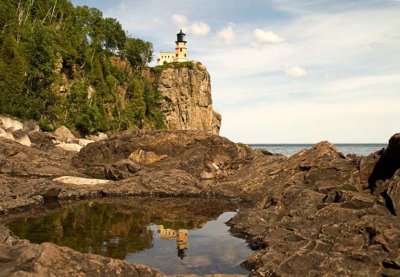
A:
186,98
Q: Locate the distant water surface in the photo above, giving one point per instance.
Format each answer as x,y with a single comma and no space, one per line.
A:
290,149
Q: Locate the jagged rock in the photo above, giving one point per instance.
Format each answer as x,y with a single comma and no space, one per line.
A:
10,124
21,137
100,136
207,175
50,260
72,147
367,165
43,141
388,163
7,238
192,151
145,157
122,169
392,152
172,182
17,131
22,161
63,134
186,99
315,218
84,142
383,179
31,127
310,213
393,193
6,134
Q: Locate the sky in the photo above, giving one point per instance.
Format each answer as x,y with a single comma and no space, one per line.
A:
285,71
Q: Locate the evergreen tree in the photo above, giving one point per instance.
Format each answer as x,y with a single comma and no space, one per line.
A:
48,44
13,69
135,109
152,100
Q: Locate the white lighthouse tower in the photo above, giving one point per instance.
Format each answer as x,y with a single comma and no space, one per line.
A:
180,54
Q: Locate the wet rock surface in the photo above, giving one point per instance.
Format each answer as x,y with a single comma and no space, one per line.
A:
317,212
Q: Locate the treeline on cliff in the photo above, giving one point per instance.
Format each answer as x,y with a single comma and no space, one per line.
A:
66,65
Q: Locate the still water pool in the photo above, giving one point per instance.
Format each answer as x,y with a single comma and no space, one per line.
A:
176,236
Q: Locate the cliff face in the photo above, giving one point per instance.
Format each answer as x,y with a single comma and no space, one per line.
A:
186,99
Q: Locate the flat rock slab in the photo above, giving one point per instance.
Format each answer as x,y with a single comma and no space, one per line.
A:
51,260
71,180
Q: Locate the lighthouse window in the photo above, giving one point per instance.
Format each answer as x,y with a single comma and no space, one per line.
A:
185,55
181,49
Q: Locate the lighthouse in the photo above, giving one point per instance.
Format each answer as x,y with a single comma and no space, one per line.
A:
180,54
181,48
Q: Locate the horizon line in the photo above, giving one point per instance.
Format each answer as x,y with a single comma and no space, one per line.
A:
310,143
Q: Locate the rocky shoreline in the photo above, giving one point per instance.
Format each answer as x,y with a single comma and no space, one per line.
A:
315,213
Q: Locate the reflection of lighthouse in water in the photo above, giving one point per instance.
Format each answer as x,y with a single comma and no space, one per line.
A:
181,236
182,242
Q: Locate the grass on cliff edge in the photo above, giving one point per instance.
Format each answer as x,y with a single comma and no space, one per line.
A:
178,65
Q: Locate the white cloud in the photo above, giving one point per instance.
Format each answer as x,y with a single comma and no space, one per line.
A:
180,20
350,49
296,71
200,28
261,37
226,35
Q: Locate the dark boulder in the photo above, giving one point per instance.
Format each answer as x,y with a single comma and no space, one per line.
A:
388,163
393,193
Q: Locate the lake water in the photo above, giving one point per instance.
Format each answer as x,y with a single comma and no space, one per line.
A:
290,149
176,236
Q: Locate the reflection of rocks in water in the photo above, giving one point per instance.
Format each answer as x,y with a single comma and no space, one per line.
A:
200,261
115,228
89,227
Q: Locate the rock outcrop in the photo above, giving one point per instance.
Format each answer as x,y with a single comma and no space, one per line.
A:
316,213
63,134
318,217
186,99
50,260
384,179
15,130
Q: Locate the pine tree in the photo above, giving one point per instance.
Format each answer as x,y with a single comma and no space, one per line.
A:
97,80
135,110
13,70
46,44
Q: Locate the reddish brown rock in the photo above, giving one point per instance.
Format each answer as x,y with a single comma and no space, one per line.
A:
50,260
312,213
393,193
388,163
314,218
